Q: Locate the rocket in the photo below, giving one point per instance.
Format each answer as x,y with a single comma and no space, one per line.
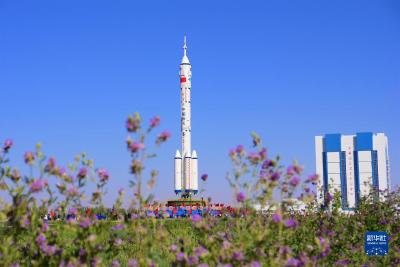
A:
186,166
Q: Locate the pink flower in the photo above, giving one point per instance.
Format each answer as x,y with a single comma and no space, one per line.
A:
85,223
133,123
263,153
196,218
103,174
37,185
29,157
239,149
154,122
8,144
294,181
180,256
164,136
240,197
72,191
254,158
82,173
136,146
291,223
276,218
275,176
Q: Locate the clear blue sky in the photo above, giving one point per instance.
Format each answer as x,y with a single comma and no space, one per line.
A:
71,72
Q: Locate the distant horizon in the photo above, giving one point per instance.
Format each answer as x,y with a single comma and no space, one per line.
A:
71,73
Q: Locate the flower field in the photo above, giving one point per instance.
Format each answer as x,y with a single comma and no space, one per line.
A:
319,236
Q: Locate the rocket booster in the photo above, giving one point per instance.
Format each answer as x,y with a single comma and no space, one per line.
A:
186,172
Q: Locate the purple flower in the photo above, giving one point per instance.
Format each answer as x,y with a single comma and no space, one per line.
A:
226,244
133,123
15,265
238,256
117,227
291,223
85,223
196,218
202,265
240,197
103,174
41,239
73,211
174,247
276,217
293,262
266,164
118,242
263,153
193,260
136,146
232,152
37,185
329,197
255,264
180,256
51,164
313,178
82,173
342,262
115,263
275,176
72,191
239,149
200,251
254,158
29,157
294,181
285,250
204,177
162,137
44,227
154,122
132,263
8,144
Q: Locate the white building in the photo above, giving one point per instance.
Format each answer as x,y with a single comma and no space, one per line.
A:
352,165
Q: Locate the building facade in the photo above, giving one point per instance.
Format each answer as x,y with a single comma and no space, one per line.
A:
352,165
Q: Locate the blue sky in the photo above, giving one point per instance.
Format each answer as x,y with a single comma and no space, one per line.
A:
71,72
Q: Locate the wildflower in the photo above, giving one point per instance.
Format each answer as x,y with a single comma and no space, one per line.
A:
313,178
291,223
285,250
232,152
121,191
37,185
200,251
132,263
263,153
85,223
136,166
72,191
180,256
41,239
204,177
239,149
293,262
254,158
29,157
82,173
266,164
51,164
294,181
255,264
193,260
162,137
154,122
276,217
342,262
44,227
115,263
196,218
118,242
15,175
275,176
136,146
226,244
133,123
238,256
7,145
118,227
202,265
174,247
329,197
240,197
103,174
297,169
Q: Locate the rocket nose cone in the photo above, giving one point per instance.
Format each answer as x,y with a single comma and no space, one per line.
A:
177,154
194,154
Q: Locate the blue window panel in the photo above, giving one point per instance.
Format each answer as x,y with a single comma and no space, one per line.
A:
343,180
332,143
375,177
356,178
364,142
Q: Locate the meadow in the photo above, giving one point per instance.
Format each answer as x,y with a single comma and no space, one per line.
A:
320,236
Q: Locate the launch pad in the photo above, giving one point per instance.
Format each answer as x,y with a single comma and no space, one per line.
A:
186,202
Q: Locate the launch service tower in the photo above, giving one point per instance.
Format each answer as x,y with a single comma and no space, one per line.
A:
186,168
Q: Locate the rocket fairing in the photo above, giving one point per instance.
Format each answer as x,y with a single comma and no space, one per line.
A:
186,162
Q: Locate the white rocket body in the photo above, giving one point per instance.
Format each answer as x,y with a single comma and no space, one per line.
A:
186,177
